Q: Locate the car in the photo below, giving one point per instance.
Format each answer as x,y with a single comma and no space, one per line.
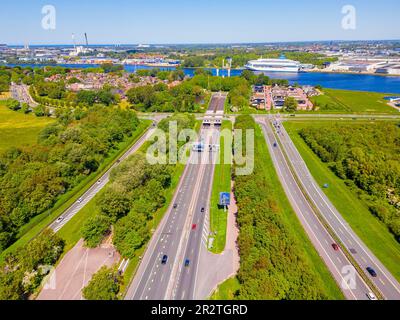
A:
99,181
202,210
79,200
164,259
175,205
275,144
335,247
371,272
187,263
371,296
194,226
59,219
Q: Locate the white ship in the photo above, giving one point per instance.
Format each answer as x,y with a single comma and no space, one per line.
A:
274,65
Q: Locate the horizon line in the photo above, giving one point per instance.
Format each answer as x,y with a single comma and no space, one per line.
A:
202,43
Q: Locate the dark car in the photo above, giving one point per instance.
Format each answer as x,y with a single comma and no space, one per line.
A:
275,144
335,247
187,263
371,272
175,206
164,259
202,210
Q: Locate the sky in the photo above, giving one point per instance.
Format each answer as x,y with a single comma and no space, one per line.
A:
196,21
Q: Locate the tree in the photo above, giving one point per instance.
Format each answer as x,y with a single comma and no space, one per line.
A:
13,104
94,230
290,104
114,202
41,111
130,234
104,285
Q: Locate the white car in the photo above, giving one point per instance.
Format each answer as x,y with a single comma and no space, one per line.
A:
371,296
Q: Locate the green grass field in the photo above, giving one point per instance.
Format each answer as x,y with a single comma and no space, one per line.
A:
357,101
226,290
221,183
18,129
373,232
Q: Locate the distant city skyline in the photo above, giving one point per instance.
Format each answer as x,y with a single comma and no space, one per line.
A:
197,22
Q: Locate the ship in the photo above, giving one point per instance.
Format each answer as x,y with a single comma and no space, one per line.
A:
274,65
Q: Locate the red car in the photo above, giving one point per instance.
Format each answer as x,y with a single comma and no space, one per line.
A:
194,226
335,247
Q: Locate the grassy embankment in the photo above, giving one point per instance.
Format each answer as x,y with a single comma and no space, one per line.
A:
372,231
38,223
221,183
18,129
357,102
275,190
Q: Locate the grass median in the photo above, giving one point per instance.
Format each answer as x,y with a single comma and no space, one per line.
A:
371,231
221,183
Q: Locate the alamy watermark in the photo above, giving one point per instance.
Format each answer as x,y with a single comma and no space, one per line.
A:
349,20
349,278
49,18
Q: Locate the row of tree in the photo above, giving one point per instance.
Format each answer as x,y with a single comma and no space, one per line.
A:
272,263
32,178
367,157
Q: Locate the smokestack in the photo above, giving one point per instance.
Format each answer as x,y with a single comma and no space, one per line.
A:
87,43
73,40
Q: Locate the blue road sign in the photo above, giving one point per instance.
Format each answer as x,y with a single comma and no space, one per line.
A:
224,199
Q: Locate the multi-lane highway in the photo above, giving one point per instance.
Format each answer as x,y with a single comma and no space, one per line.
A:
97,186
180,234
336,261
387,285
20,93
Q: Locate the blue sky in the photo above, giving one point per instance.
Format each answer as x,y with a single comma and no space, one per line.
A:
196,21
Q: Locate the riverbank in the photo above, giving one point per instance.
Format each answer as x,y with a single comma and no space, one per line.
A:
343,81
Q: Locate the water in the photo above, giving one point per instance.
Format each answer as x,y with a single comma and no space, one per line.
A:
359,82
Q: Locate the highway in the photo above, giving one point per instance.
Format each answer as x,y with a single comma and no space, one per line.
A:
384,282
21,93
176,235
336,261
97,186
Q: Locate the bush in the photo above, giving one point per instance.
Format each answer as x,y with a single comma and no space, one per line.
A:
94,230
104,285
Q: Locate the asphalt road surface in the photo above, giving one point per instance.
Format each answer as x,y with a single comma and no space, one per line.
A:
217,102
353,288
384,282
176,237
96,187
185,284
